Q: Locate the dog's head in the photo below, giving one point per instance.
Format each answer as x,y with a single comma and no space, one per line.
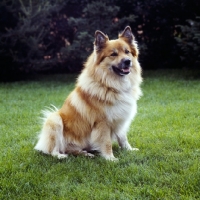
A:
118,56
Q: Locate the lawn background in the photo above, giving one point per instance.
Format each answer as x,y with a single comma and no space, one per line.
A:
166,130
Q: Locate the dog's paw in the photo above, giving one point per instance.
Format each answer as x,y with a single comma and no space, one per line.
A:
134,149
129,148
114,159
111,158
85,153
90,155
60,156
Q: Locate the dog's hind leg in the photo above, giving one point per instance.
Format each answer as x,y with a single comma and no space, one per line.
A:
101,141
51,140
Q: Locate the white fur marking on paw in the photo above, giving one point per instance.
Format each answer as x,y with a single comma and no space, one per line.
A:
134,149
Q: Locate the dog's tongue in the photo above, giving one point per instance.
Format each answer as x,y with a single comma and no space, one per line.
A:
126,70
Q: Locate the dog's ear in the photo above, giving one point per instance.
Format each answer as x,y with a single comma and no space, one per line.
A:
127,35
100,40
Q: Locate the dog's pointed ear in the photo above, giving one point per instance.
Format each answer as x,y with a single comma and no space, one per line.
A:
127,34
100,40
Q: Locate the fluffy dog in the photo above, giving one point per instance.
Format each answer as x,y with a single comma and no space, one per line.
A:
102,105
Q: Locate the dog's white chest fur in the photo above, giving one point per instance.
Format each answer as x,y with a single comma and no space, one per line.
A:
124,109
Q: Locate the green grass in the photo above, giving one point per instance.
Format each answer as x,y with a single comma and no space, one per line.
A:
166,130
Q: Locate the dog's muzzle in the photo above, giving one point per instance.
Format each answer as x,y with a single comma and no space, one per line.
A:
123,68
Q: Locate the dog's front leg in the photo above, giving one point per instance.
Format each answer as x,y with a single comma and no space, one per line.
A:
123,143
101,140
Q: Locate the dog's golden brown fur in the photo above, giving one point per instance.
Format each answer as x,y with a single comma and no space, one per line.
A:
102,105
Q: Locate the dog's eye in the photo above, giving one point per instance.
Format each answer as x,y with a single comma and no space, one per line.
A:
127,51
113,54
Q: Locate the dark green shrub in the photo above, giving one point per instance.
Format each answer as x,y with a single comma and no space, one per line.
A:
25,40
189,42
95,16
156,26
57,35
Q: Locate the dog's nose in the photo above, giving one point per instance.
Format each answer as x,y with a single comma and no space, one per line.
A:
127,62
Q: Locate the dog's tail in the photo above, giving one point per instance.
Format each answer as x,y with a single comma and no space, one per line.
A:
51,140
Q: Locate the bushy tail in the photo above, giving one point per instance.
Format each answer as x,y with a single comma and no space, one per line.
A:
51,139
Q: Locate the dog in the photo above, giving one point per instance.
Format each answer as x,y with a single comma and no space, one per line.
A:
101,107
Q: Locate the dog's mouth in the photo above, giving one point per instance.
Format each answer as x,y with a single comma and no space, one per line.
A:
121,72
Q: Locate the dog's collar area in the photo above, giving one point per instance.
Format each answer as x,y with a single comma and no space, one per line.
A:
121,72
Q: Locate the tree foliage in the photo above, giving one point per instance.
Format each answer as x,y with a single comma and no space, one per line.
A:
95,16
156,28
189,42
58,35
25,43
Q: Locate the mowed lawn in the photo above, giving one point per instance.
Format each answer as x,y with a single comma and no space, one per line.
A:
166,130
